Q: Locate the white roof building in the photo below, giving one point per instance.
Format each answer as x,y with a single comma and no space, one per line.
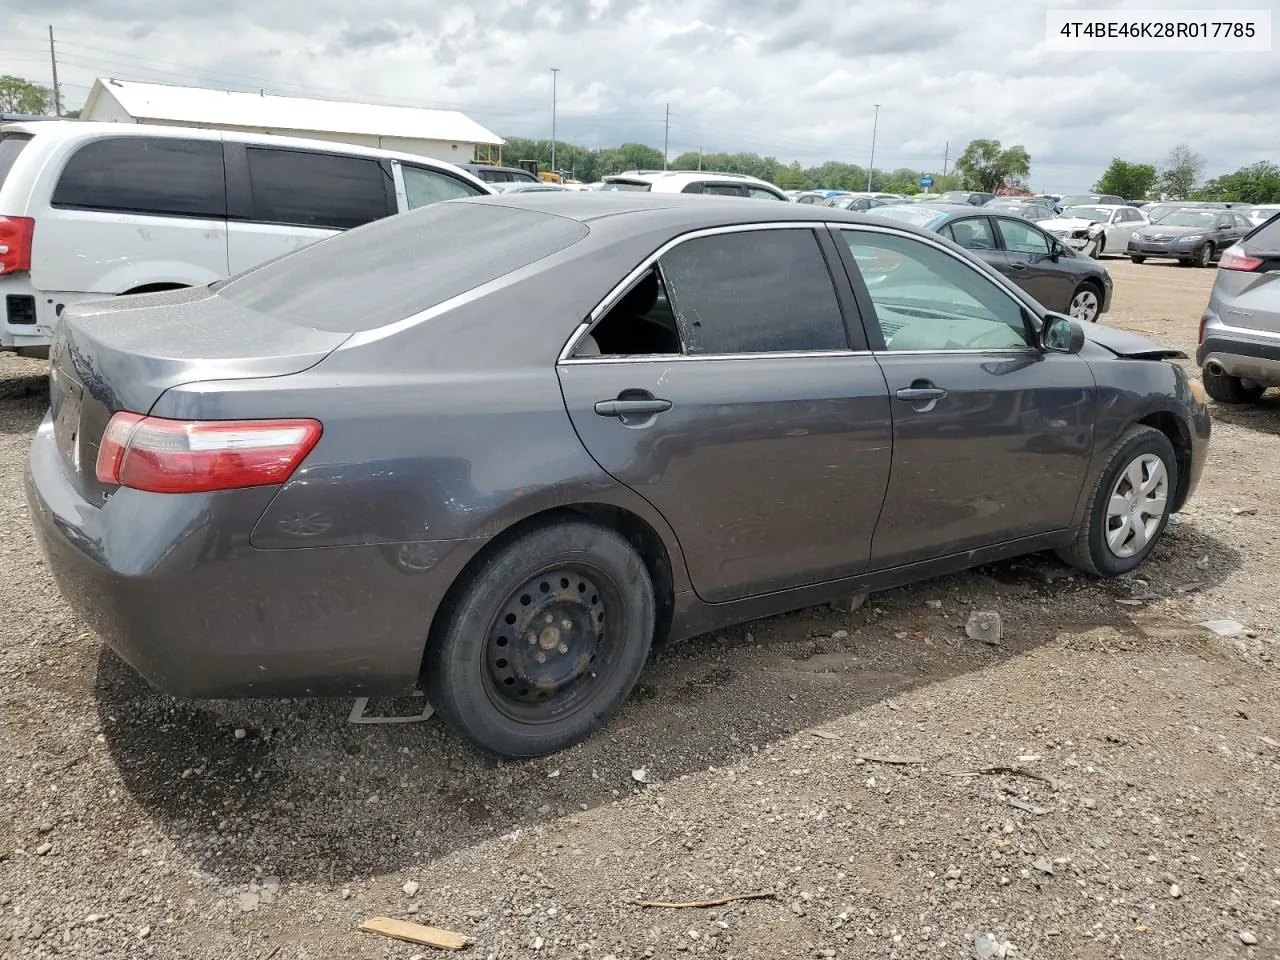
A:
441,134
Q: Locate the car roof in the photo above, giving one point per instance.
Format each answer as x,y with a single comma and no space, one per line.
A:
650,176
66,130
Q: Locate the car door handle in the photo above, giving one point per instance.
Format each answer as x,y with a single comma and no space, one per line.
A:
632,408
920,394
1018,265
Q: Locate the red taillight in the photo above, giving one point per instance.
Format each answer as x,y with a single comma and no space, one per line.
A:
15,243
1204,320
195,456
1234,258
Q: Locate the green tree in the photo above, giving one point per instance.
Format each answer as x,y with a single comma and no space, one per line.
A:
984,165
1181,173
22,96
1256,183
793,177
1129,180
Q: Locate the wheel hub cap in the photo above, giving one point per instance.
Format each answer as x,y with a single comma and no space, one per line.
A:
546,637
1137,505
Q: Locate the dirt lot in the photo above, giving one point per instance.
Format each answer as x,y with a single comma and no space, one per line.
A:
1104,783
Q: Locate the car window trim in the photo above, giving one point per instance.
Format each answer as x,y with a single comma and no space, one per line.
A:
627,282
1032,312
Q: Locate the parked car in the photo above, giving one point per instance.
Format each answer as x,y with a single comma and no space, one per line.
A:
1096,228
1259,214
492,173
860,201
974,198
1189,236
1158,211
581,510
1027,209
1090,199
89,210
694,181
819,197
1049,271
1239,352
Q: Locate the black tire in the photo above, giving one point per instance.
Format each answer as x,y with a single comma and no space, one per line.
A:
1186,262
1228,389
1136,259
1089,551
1204,256
480,702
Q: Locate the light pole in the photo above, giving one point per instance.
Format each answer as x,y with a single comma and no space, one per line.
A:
554,71
874,123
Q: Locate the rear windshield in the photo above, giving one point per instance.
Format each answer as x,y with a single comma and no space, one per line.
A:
10,146
393,268
1265,237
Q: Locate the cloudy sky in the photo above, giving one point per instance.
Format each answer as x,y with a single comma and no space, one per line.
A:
796,79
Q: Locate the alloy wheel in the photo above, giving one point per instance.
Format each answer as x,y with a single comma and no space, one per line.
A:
1084,305
1137,505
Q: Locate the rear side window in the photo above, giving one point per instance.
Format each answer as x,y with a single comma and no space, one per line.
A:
752,292
400,266
316,189
716,189
10,147
1265,237
624,185
423,186
148,175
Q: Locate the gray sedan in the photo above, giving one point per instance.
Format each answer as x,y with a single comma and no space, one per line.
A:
503,449
1189,236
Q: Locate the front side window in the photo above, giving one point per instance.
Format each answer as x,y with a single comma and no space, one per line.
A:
423,186
1021,237
927,299
316,189
972,234
759,193
148,175
753,291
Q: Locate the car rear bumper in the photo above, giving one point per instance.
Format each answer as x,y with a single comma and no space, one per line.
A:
198,612
1241,354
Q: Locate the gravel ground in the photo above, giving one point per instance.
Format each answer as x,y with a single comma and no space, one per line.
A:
1104,783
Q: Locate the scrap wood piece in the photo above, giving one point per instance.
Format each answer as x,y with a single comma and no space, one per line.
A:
1001,770
415,933
890,761
720,902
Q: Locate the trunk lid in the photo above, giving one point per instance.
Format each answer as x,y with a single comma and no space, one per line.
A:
123,353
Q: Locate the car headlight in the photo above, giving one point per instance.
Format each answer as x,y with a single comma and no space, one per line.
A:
1193,237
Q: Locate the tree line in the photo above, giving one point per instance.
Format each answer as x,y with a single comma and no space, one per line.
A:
1181,178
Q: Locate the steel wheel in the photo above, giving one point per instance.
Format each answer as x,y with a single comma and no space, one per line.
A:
1137,506
1205,256
1084,305
544,645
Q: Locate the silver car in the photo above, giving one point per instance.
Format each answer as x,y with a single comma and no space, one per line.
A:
1239,350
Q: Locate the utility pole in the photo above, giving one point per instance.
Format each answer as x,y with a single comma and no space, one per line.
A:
53,59
554,71
699,158
946,155
874,124
666,136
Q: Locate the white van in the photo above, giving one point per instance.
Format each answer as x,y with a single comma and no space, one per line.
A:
96,209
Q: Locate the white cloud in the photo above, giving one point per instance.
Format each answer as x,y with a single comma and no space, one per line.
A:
792,78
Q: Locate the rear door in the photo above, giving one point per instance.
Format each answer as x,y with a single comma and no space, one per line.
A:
133,211
978,235
280,200
760,431
991,436
1032,265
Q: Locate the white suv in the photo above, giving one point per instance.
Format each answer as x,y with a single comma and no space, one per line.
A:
695,181
95,209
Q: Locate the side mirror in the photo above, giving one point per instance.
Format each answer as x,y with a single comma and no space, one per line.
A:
1061,334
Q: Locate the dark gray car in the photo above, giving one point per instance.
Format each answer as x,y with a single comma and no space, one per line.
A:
1060,278
1189,236
503,449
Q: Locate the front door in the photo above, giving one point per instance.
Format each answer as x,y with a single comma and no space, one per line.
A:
991,436
723,389
1032,264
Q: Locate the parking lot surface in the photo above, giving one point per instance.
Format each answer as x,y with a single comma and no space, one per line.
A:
1103,783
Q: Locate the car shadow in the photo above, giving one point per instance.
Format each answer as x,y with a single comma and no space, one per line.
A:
1262,415
291,787
24,391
